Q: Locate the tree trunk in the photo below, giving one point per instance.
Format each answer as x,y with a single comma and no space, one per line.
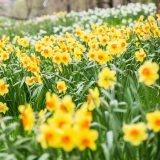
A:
29,8
100,3
158,6
91,5
110,3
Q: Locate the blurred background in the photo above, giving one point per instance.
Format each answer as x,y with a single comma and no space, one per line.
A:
25,9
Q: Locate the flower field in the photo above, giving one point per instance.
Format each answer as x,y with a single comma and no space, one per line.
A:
81,86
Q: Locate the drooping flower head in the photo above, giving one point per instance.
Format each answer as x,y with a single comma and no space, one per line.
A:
27,117
107,78
3,87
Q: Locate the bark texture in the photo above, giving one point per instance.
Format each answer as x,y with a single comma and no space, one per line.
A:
24,9
158,6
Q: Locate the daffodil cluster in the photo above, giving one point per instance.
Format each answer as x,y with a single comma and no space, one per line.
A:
136,133
67,127
80,87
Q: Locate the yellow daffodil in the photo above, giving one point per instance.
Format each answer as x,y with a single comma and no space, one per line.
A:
153,119
93,99
104,40
30,81
52,101
101,57
57,58
66,58
23,42
86,139
61,86
135,133
107,78
61,120
3,108
3,87
27,117
47,52
148,73
91,55
4,56
49,136
140,55
67,139
83,119
67,105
